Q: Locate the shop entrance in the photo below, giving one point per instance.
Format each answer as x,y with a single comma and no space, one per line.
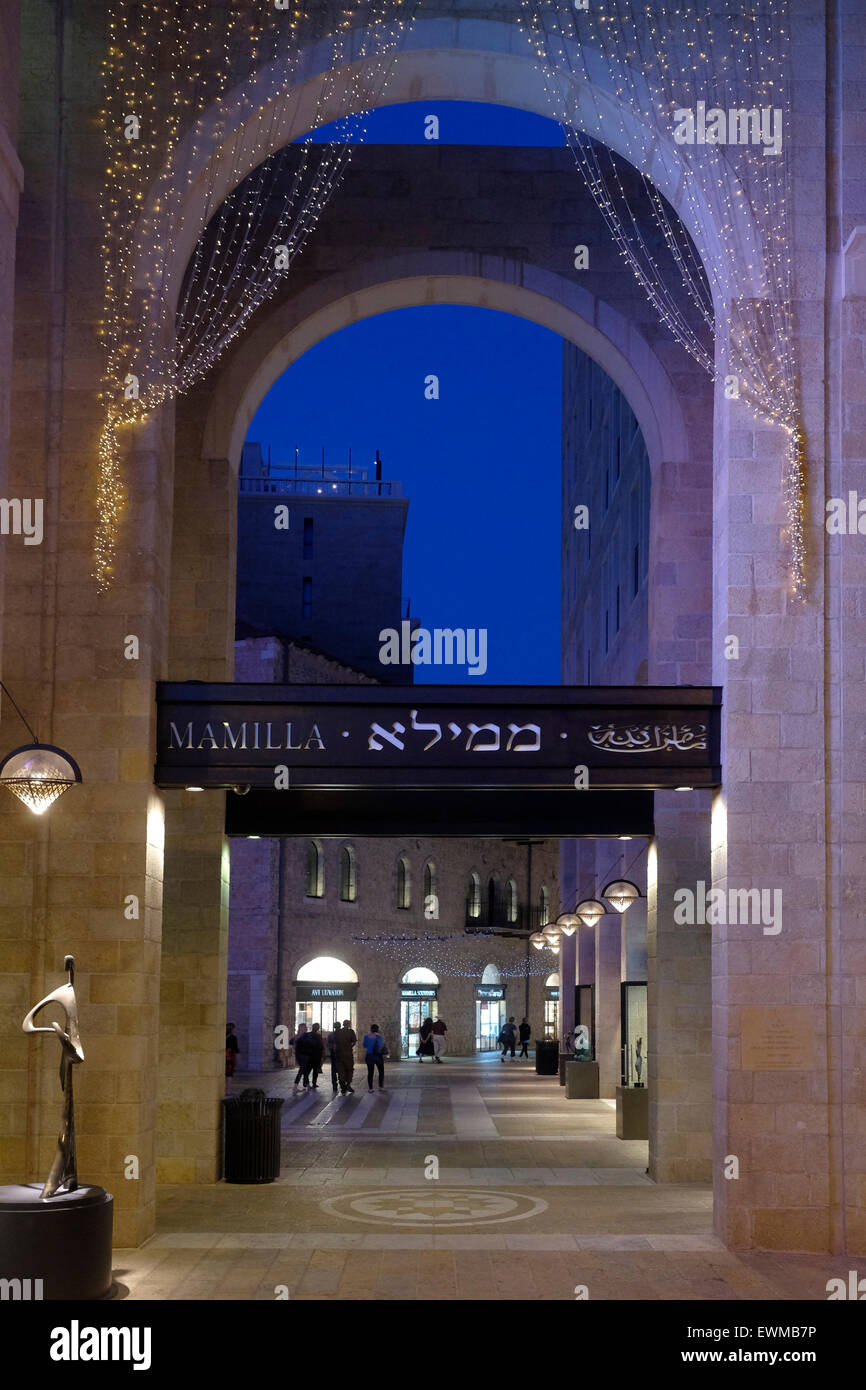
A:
418,1000
551,1007
326,991
489,1018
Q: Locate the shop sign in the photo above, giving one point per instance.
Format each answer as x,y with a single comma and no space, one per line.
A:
307,991
419,991
490,992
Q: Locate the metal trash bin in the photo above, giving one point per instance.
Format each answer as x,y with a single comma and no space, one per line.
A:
252,1137
547,1057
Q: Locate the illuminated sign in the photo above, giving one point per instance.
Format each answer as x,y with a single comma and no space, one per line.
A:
306,992
419,991
490,992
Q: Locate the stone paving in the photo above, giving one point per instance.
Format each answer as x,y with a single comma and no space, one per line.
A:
535,1196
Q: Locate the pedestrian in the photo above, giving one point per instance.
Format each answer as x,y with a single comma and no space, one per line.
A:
425,1040
293,1042
311,1049
525,1035
374,1052
232,1049
331,1044
508,1038
345,1041
439,1039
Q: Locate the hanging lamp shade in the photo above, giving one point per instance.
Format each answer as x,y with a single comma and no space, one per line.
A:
537,940
568,923
590,911
38,773
551,934
620,894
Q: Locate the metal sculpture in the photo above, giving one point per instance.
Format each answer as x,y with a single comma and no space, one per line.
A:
63,1170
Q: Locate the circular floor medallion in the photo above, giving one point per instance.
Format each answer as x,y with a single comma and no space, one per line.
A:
433,1205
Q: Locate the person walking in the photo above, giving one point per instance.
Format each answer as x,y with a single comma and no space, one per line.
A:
331,1044
374,1052
312,1047
508,1038
293,1042
439,1039
425,1040
525,1035
232,1049
345,1041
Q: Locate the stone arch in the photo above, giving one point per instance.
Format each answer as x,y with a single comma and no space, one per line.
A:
283,333
487,60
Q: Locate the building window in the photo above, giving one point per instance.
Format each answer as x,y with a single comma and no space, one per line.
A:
511,900
474,895
308,538
307,598
491,899
348,881
543,908
315,873
404,884
429,885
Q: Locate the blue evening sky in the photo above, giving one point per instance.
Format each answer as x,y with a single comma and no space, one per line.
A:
480,465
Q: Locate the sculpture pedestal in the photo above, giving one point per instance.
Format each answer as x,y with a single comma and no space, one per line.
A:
632,1112
57,1247
581,1081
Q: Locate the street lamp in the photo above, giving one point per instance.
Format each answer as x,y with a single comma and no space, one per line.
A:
568,923
590,911
37,773
620,894
537,940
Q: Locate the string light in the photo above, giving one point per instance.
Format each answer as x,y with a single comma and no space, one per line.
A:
194,93
655,60
452,955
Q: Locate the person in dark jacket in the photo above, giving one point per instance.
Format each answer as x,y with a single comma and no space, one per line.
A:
310,1048
232,1049
293,1042
525,1035
425,1040
331,1045
345,1040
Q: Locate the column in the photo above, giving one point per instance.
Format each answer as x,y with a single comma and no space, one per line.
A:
678,993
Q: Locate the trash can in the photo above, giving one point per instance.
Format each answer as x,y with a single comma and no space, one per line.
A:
547,1057
252,1137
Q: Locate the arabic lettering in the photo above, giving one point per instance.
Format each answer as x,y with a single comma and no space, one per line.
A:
636,738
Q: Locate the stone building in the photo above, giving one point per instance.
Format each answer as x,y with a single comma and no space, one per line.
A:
492,227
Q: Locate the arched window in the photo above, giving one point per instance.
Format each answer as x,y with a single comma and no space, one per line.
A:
328,970
552,981
490,975
491,899
543,908
511,900
315,872
420,975
348,883
474,895
429,881
404,883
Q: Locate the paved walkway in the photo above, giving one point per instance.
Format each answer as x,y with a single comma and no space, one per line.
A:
473,1180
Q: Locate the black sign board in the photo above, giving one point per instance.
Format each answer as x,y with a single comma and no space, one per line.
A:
419,991
490,992
306,992
335,738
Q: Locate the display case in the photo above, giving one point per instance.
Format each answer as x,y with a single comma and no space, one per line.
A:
633,1015
584,1015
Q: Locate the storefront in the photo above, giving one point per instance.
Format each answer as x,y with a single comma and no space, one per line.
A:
326,992
551,1007
419,991
489,1015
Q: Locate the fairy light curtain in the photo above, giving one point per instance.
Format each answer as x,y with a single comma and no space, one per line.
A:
454,956
657,60
179,78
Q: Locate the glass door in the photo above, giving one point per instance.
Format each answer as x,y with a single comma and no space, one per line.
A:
551,1018
412,1014
325,1012
489,1018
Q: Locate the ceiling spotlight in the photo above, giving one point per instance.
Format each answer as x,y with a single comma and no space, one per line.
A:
38,773
590,911
620,894
568,923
